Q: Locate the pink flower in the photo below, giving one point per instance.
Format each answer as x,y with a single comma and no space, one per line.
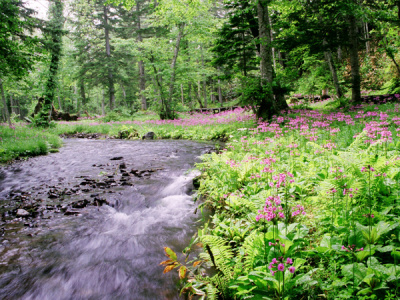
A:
274,261
281,267
289,261
292,269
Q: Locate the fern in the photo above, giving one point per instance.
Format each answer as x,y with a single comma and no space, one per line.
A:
220,255
212,292
252,251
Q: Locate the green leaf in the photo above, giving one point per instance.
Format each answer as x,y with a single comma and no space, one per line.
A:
171,254
358,270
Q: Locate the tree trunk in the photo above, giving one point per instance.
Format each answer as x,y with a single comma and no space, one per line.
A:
123,92
204,78
5,103
142,78
56,49
197,96
78,101
332,68
59,100
12,106
102,103
189,95
17,102
272,39
212,92
367,46
266,106
220,93
82,91
182,96
354,61
167,109
111,89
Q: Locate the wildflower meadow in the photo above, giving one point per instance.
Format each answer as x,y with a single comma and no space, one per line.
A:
303,207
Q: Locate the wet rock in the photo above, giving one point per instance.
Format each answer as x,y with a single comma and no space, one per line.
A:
71,213
126,183
149,136
126,174
116,158
99,201
101,184
22,213
122,166
80,204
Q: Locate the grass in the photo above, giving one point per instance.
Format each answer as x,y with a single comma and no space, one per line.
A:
21,141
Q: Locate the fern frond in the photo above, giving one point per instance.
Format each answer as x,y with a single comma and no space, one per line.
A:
219,254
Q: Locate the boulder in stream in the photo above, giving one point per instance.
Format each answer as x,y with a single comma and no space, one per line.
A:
22,213
149,136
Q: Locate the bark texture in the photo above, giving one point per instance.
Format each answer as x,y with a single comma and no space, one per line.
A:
354,61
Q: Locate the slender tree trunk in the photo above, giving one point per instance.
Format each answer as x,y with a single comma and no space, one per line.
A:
272,39
111,89
12,106
367,45
142,78
220,93
123,92
5,103
197,95
168,113
204,79
17,102
102,103
190,95
212,91
182,96
82,91
78,101
354,61
332,68
59,100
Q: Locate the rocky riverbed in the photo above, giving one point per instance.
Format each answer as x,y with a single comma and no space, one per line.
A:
91,221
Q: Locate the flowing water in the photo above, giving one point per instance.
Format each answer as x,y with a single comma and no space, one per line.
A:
97,252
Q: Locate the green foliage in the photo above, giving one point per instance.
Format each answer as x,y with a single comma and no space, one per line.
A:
348,187
22,141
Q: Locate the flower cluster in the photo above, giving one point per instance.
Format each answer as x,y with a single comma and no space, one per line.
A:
279,265
280,179
297,210
272,210
367,169
369,216
352,248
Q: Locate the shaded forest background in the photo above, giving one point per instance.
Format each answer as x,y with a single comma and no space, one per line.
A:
97,57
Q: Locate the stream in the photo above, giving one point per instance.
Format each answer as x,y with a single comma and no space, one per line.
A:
91,221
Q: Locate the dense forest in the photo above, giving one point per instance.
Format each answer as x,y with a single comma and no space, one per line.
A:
96,57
